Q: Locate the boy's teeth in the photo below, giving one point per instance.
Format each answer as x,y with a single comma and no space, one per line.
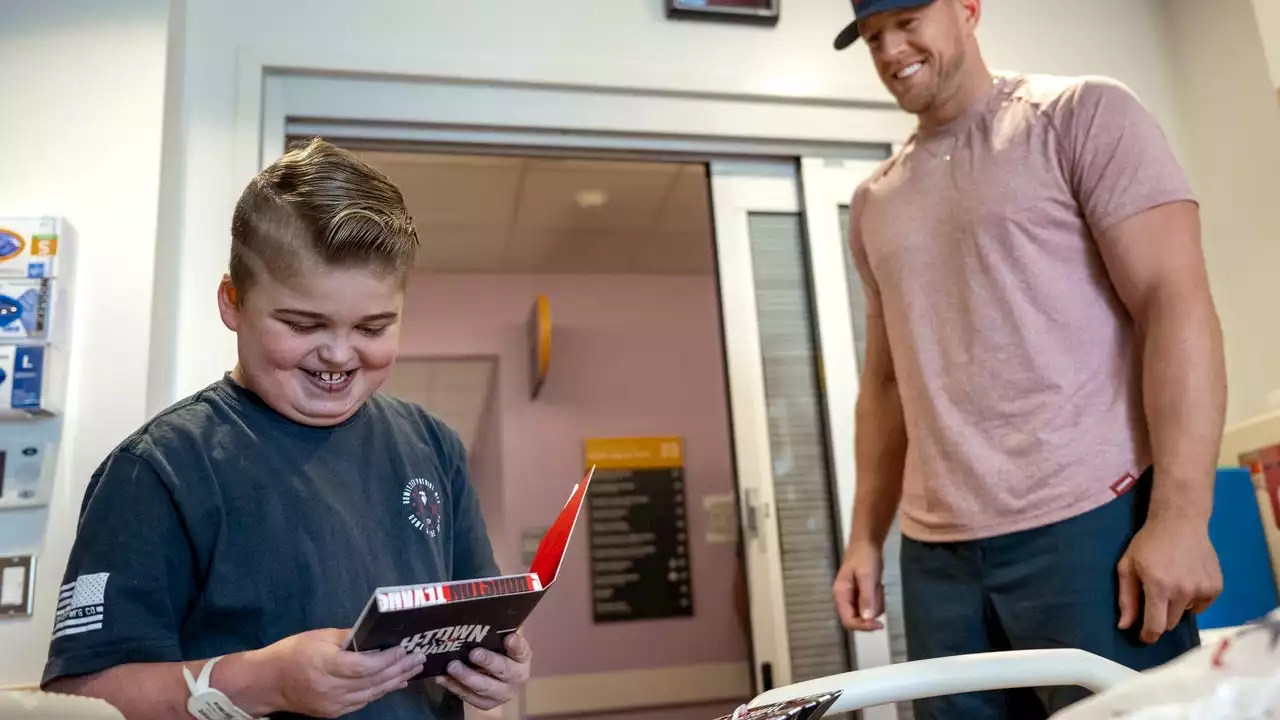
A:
332,377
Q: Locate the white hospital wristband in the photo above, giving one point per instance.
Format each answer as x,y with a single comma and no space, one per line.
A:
207,703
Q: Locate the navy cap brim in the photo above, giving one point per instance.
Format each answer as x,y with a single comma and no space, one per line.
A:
850,34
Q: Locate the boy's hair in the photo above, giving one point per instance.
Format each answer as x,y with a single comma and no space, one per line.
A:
319,203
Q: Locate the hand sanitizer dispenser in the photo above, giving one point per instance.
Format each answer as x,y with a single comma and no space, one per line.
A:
28,451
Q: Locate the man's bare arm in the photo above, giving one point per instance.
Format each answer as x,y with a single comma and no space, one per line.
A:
880,447
880,442
1157,266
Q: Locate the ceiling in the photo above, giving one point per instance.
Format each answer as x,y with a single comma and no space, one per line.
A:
491,214
455,391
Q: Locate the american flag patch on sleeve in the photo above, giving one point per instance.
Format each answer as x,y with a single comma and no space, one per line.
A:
81,605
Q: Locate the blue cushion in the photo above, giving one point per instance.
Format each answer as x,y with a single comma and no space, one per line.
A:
1249,588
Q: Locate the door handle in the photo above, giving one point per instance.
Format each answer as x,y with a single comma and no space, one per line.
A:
754,512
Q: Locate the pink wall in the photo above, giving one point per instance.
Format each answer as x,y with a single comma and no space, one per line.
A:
484,460
631,356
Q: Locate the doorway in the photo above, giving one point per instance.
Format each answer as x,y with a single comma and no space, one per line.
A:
622,253
763,239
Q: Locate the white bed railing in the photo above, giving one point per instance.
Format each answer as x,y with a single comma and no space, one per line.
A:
952,675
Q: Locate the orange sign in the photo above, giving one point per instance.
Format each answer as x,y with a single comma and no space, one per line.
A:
635,453
44,245
539,344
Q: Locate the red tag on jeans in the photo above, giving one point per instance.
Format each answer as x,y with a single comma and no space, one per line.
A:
1124,484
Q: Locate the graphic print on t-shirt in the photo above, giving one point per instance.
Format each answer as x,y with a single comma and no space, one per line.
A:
422,499
81,605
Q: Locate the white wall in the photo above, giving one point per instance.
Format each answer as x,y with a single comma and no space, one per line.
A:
169,222
617,43
1267,13
1232,133
83,83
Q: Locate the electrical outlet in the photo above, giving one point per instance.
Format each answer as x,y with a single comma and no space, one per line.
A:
17,585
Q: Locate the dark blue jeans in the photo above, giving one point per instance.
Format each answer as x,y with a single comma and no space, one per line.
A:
1050,587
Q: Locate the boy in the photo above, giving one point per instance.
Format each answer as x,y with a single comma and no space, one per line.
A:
247,525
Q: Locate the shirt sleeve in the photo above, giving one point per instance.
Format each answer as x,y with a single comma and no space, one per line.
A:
472,550
129,578
858,254
1119,161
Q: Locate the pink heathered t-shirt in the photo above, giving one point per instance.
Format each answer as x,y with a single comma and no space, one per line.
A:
1016,362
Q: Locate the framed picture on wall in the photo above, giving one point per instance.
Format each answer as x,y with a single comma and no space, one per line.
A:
762,12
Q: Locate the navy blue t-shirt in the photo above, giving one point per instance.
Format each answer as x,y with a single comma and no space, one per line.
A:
222,526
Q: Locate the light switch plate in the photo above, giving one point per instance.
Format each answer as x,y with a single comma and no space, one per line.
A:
17,586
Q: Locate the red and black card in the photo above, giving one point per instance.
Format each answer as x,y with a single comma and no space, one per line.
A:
446,621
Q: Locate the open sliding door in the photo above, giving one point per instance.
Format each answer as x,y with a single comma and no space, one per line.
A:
840,304
744,194
772,291
793,318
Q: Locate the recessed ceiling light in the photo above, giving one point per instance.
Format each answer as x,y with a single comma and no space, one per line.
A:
591,198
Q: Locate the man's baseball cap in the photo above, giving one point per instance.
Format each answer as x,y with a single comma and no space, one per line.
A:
867,8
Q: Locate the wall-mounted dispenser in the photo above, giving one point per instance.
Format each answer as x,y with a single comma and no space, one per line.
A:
33,283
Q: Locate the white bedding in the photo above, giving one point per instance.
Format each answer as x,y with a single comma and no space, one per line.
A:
1234,675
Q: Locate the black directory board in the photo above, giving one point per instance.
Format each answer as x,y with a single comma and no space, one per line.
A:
638,531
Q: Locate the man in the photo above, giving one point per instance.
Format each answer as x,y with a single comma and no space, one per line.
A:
1043,392
248,524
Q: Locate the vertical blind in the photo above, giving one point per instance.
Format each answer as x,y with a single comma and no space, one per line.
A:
801,472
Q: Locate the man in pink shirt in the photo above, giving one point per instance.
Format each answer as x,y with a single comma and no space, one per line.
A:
1043,393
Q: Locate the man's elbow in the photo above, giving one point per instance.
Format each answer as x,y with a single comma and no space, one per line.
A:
878,397
878,378
1179,303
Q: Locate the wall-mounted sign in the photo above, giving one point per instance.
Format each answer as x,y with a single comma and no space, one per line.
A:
539,328
638,530
762,12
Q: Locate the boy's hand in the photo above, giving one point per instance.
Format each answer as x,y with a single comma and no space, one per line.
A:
495,679
313,675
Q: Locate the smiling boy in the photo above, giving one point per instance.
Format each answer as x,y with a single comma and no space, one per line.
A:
247,524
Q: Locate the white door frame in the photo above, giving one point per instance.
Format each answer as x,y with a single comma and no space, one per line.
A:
450,94
738,189
826,184
288,86
280,97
